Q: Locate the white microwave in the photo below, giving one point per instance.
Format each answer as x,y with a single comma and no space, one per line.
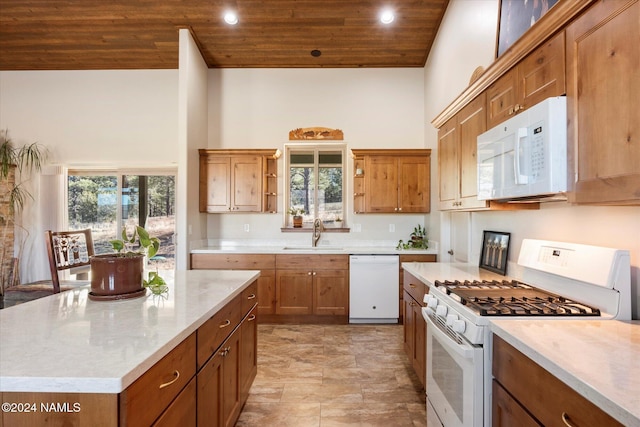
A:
525,156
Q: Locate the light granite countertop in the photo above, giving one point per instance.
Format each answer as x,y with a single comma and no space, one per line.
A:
68,343
600,359
308,249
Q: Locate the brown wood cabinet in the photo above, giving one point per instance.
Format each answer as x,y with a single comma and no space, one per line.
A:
392,181
182,411
227,346
603,104
537,77
312,285
148,397
410,258
457,148
414,325
237,181
265,263
535,391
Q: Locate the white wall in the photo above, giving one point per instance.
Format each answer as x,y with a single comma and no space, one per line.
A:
193,129
256,108
94,117
467,39
86,119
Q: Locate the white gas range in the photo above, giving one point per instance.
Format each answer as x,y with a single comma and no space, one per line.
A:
558,280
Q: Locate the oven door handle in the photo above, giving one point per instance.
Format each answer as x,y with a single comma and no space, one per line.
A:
464,349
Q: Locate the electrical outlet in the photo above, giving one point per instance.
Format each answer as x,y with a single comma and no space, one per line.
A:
357,228
392,228
190,230
246,228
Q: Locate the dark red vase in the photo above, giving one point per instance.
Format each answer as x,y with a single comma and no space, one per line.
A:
116,277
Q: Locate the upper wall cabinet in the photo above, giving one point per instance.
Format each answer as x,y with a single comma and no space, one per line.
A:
538,76
603,104
392,181
457,158
237,181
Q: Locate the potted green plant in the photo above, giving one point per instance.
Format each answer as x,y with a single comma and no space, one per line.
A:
120,275
24,160
297,216
417,239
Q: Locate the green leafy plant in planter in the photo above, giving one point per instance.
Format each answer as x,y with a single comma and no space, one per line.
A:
119,275
297,216
417,239
16,166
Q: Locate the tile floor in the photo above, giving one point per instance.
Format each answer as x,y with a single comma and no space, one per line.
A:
333,375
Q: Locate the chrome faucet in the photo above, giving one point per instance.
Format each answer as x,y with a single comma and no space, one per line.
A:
317,231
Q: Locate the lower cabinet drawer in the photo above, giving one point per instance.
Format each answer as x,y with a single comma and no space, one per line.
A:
215,330
548,399
144,400
249,297
182,411
416,288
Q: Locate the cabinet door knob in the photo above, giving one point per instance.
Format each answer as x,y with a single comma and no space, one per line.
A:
309,274
176,375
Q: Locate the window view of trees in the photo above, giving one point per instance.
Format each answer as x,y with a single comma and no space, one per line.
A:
316,183
94,202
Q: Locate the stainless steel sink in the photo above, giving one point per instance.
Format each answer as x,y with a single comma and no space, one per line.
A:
312,249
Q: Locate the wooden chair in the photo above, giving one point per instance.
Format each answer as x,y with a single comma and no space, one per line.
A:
69,250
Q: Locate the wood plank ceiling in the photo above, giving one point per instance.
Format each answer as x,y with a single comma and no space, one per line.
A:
143,34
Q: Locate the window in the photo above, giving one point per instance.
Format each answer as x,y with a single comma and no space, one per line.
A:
315,182
107,201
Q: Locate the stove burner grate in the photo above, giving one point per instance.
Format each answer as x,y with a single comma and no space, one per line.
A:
512,298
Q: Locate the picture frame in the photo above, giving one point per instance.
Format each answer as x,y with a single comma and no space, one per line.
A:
515,17
495,251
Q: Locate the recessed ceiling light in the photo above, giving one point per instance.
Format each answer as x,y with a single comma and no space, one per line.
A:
387,16
231,18
316,53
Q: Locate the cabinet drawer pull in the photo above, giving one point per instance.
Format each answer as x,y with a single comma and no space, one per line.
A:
225,324
567,421
250,318
411,285
252,296
176,375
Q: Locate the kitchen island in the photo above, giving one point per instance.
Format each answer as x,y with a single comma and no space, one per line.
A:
66,345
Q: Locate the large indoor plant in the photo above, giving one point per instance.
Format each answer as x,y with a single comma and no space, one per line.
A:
120,275
16,166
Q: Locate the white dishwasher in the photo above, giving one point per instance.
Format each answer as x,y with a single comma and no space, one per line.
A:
374,293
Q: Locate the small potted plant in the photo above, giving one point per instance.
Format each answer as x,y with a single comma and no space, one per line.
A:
120,275
297,216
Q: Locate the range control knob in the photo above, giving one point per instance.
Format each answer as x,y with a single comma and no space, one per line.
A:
433,302
459,326
426,298
441,310
451,318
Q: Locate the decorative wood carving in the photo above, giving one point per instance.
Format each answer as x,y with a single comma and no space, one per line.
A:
316,133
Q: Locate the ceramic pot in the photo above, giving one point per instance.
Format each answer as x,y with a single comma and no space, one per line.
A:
112,275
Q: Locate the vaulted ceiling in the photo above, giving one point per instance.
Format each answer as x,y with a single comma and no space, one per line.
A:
143,34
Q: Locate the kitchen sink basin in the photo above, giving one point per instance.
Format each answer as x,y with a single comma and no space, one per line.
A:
312,249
